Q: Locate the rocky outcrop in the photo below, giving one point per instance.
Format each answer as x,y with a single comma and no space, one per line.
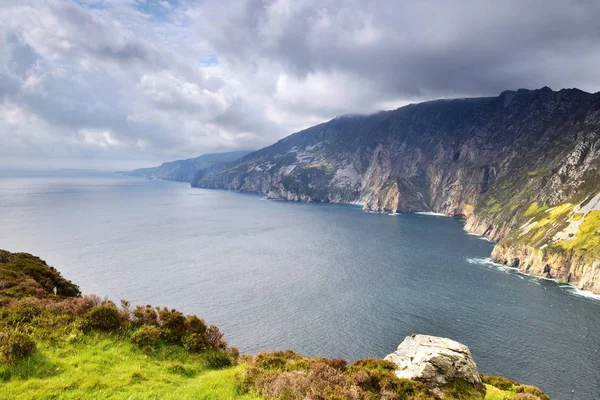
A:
504,162
436,362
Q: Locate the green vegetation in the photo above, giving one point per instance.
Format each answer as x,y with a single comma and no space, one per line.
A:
65,346
537,172
287,375
25,275
587,239
102,365
57,344
534,209
505,389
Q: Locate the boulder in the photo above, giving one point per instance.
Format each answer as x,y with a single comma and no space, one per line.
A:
435,361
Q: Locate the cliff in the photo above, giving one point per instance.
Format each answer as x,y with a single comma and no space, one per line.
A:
522,168
184,170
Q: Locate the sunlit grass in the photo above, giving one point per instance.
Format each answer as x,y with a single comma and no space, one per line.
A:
107,367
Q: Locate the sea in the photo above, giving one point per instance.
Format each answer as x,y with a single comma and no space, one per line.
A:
319,279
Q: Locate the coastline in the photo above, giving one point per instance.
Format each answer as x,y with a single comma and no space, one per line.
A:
570,288
466,227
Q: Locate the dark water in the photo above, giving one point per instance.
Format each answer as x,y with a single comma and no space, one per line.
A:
325,280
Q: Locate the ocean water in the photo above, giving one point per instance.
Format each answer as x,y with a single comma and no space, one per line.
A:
327,280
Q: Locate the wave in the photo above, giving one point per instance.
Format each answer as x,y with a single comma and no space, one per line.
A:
569,288
433,214
355,203
480,237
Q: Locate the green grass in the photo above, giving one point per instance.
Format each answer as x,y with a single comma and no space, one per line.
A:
587,239
105,366
493,393
534,209
102,366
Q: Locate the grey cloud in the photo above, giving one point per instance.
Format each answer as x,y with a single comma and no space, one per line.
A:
115,80
417,48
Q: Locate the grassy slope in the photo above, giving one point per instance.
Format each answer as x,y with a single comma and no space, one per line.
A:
100,366
105,366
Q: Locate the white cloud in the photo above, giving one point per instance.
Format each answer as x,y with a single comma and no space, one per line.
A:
124,81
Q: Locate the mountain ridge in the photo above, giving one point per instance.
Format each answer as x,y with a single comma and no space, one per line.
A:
184,170
520,167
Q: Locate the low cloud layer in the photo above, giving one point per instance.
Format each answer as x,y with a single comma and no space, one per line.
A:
134,82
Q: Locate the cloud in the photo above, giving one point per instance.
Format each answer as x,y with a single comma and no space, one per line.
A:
135,82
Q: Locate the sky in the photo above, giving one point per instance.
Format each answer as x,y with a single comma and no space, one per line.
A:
131,83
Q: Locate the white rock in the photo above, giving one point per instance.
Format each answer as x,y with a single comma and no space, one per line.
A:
435,361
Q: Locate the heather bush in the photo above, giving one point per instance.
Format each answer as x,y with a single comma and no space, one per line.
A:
278,361
194,324
144,315
215,338
146,337
15,345
172,325
195,342
525,396
285,385
234,352
286,375
77,306
23,310
105,317
531,390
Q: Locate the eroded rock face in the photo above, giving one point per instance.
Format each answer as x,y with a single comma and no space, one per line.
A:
435,361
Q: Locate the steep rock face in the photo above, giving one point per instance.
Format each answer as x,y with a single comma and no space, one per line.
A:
518,166
436,362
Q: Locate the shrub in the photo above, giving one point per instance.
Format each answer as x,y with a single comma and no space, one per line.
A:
215,338
104,317
532,391
77,306
525,396
147,337
286,375
499,382
194,324
286,385
23,310
14,346
145,315
216,359
25,275
234,352
277,360
172,325
195,342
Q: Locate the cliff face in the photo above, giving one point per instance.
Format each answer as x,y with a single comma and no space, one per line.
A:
185,170
521,167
